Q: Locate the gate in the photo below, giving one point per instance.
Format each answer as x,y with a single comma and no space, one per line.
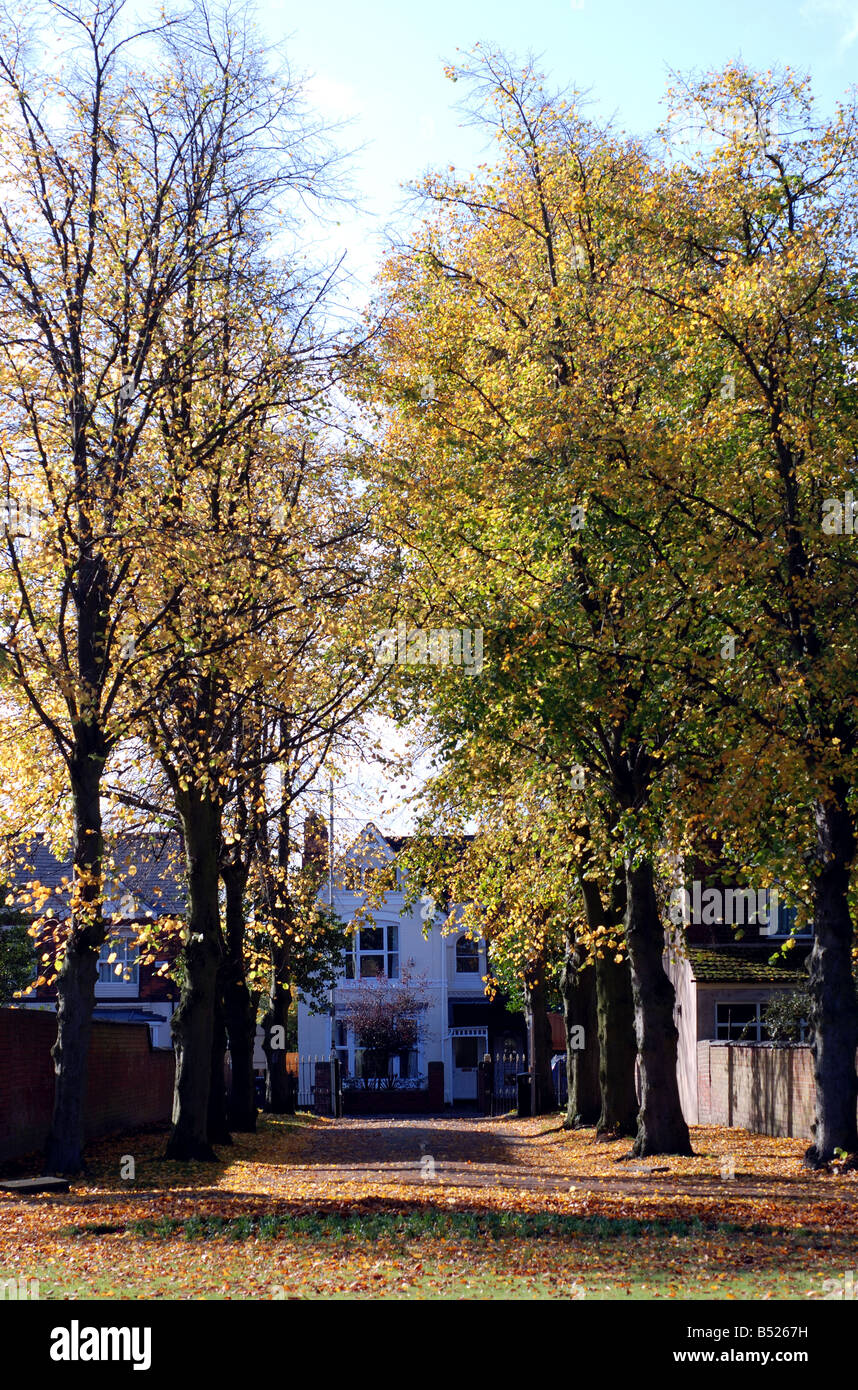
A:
312,1082
504,1072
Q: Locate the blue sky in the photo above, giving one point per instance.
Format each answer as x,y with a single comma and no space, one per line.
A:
380,64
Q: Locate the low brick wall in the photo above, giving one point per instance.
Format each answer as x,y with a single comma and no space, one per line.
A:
761,1087
130,1084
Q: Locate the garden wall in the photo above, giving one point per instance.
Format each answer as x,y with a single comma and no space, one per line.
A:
130,1083
763,1087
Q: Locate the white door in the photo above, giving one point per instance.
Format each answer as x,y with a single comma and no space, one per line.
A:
468,1049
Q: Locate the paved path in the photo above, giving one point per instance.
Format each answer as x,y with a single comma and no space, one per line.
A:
460,1151
473,1151
457,1151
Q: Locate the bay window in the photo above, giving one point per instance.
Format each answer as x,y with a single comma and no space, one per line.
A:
374,951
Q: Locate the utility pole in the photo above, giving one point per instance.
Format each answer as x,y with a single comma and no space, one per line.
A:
331,890
333,1057
532,1058
331,847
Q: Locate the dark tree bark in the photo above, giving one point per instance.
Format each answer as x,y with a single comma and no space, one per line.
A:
193,1021
578,988
661,1125
279,1093
79,972
618,1048
615,1019
218,1124
70,1053
536,1002
832,986
239,1005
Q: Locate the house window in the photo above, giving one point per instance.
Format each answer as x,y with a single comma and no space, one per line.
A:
381,877
740,1022
467,956
374,1065
467,1053
375,952
786,920
124,969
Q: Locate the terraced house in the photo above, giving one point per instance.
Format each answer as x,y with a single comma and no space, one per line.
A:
144,886
446,967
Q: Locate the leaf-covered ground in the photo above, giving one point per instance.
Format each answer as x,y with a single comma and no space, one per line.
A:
439,1208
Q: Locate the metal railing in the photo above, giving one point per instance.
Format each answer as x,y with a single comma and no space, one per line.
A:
303,1069
390,1082
505,1070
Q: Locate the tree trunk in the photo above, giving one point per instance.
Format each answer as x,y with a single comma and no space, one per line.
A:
618,1048
577,986
618,1114
218,1124
279,1093
193,1021
536,998
661,1124
79,972
239,1006
832,986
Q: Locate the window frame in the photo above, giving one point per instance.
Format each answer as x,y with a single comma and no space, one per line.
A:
128,982
473,954
786,922
388,951
351,1058
756,1027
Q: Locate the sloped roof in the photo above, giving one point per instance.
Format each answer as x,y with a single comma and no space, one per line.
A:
742,965
400,842
147,881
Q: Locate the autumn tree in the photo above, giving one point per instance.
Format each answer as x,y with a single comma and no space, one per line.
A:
388,1020
510,300
753,276
103,232
241,608
293,943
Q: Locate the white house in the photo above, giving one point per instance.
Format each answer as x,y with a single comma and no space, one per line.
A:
461,1023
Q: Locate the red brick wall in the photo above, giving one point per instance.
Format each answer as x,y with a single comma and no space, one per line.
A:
768,1090
130,1084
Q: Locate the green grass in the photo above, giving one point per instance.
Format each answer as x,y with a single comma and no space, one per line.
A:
436,1254
334,1226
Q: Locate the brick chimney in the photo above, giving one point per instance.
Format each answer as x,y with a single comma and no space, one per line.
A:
315,841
